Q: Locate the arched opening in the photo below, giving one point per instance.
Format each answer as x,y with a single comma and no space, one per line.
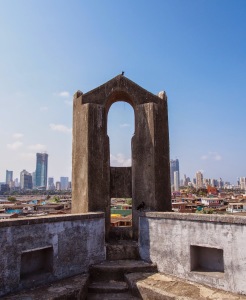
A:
120,129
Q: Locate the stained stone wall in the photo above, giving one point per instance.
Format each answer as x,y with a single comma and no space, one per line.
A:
37,251
120,182
208,249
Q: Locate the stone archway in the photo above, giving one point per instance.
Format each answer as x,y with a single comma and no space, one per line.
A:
148,180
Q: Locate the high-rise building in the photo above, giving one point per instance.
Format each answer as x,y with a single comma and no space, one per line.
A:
51,185
16,182
34,179
25,180
41,170
9,176
174,166
64,183
176,180
58,186
186,180
199,179
220,183
242,183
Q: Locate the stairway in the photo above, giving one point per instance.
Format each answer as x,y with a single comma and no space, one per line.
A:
107,279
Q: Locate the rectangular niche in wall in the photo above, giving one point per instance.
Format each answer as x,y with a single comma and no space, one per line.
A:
36,262
205,259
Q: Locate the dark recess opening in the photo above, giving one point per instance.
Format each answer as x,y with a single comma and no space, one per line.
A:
205,259
36,262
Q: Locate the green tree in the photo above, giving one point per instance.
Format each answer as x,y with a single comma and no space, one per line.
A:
56,199
12,198
129,201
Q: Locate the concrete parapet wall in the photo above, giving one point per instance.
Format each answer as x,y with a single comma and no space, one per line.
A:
208,249
37,251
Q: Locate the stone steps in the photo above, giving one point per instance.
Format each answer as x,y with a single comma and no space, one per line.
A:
118,250
107,279
111,296
116,269
108,287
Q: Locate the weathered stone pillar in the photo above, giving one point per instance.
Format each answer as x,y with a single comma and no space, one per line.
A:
91,173
150,160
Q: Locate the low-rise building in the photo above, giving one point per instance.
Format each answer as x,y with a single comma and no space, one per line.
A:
212,202
236,207
8,216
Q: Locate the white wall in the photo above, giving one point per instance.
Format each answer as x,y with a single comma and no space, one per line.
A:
166,239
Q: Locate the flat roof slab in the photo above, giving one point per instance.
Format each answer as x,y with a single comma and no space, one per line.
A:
70,288
162,286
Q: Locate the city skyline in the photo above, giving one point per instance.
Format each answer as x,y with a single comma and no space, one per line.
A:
42,164
195,51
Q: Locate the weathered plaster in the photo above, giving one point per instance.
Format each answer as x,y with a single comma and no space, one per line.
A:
77,242
165,239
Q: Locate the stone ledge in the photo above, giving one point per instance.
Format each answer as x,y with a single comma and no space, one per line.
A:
50,219
69,288
162,286
195,217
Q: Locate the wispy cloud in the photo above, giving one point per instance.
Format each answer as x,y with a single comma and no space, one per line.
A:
37,147
16,145
44,108
17,135
63,94
119,160
60,128
125,125
211,156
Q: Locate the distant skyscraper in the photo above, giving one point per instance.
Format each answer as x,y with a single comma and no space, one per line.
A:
33,179
51,185
9,176
186,180
16,182
41,169
64,183
58,186
25,180
174,166
214,182
238,182
199,180
220,183
176,180
242,183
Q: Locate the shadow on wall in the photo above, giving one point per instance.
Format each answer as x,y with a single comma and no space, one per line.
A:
144,239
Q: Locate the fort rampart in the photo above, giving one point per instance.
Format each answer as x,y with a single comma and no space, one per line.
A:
37,251
208,249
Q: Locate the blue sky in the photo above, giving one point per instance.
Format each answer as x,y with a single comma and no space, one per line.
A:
195,50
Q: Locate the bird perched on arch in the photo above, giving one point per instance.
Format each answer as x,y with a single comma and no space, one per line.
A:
122,73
